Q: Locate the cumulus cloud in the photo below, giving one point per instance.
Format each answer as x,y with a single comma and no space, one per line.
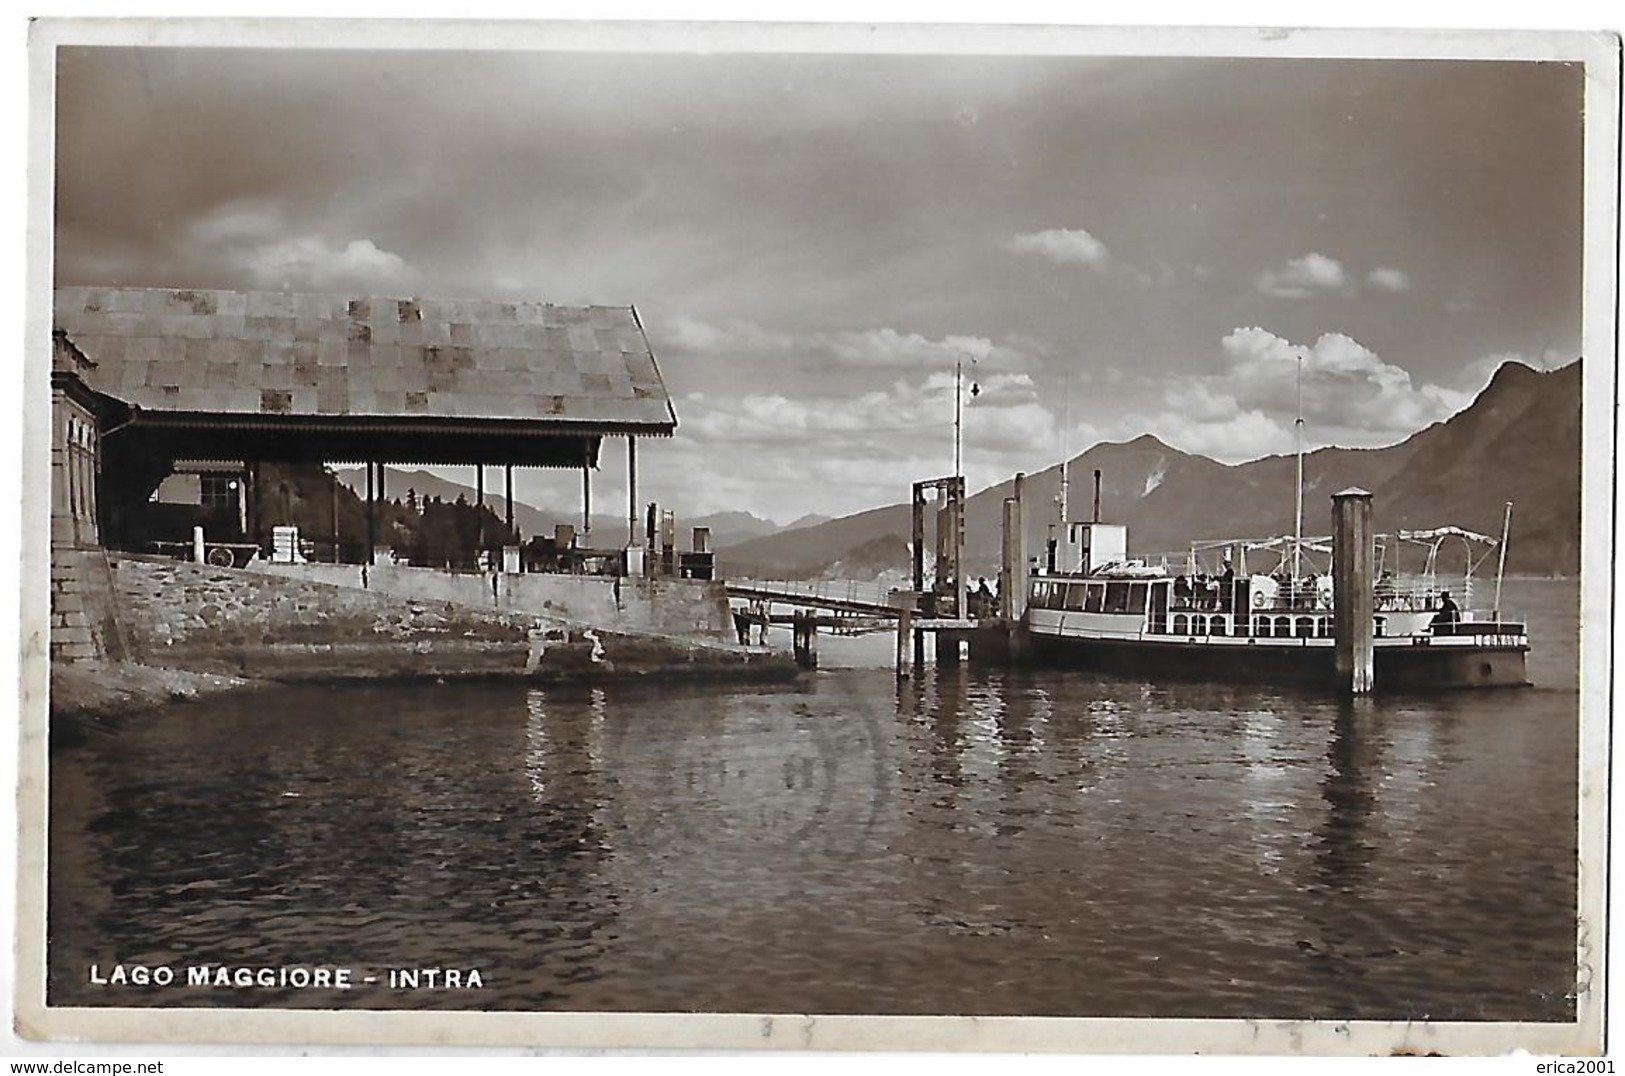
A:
1064,246
1388,279
258,240
874,349
1303,277
1241,436
871,445
1351,397
312,258
1476,375
1004,406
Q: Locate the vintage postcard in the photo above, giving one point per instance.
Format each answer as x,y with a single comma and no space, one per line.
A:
749,537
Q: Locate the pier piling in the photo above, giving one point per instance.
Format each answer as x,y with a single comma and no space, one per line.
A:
1353,559
804,633
1013,556
905,621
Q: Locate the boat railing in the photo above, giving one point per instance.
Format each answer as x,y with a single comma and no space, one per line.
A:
1220,595
1198,595
1311,592
1421,595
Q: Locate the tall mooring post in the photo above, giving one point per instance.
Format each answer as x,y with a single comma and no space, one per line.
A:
1013,556
1353,560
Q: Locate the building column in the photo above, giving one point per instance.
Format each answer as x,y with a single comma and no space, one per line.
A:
632,490
507,473
333,496
586,491
253,469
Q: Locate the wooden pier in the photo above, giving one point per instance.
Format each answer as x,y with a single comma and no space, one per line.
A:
962,627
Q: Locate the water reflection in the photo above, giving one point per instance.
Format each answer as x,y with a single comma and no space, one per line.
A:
1353,769
972,840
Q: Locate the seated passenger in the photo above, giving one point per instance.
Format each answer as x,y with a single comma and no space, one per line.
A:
1448,613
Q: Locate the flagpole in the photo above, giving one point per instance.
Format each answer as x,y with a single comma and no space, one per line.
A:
1297,527
1501,566
1066,450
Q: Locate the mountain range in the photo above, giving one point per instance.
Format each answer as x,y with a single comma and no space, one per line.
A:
1518,441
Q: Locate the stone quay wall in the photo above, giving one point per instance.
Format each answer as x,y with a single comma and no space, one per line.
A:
281,627
666,606
85,624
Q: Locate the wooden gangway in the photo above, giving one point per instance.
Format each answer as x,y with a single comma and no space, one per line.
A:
843,596
848,604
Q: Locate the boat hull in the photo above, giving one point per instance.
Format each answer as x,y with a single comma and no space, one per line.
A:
1411,667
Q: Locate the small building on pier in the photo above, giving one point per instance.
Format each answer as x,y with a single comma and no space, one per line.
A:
182,395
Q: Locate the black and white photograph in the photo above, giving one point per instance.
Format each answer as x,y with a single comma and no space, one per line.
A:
703,536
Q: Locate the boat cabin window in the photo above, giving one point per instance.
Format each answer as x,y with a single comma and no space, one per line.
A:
1137,593
1116,597
1075,596
1096,599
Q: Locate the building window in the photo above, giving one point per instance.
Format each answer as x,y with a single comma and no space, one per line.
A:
219,491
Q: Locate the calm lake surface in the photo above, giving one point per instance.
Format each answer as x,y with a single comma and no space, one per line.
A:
979,840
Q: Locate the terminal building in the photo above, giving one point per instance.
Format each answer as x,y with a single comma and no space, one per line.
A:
169,402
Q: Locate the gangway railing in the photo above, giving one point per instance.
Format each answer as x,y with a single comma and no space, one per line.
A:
870,596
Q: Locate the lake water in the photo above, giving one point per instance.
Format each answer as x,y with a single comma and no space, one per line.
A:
977,840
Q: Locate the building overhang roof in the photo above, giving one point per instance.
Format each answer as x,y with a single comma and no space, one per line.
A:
356,364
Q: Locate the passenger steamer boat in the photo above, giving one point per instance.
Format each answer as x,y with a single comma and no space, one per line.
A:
1205,615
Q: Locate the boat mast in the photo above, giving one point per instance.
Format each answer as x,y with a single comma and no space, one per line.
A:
1297,526
1501,567
1066,449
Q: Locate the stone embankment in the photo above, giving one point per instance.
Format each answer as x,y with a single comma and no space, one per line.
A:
198,629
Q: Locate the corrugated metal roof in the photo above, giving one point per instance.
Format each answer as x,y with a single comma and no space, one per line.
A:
268,352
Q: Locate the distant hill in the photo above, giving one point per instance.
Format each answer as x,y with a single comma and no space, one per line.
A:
531,521
811,519
727,528
1518,441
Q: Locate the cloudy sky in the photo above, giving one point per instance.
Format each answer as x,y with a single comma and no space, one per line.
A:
1121,245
